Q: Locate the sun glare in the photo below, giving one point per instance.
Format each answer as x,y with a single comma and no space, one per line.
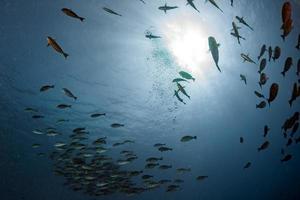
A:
188,44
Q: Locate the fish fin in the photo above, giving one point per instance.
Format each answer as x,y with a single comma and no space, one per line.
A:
65,55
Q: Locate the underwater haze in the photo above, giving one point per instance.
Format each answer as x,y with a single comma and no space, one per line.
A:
119,99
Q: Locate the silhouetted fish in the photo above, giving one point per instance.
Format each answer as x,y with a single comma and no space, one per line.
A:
287,65
273,92
264,146
71,13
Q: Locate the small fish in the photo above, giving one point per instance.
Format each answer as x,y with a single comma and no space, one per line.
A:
264,146
266,130
287,65
162,149
38,117
151,165
201,178
117,125
59,144
241,140
270,53
248,164
182,170
111,11
188,138
259,95
71,13
46,87
261,105
159,145
178,97
62,120
147,176
286,12
295,94
213,2
214,49
287,28
186,75
68,93
95,115
51,42
31,110
298,43
165,8
154,159
289,142
242,21
38,132
263,79
247,58
191,3
182,90
295,129
262,65
262,51
35,145
298,68
178,80
164,167
243,78
286,158
277,53
231,3
63,106
273,92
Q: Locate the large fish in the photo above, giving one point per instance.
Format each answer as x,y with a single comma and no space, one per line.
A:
287,65
71,13
273,92
51,42
286,12
213,47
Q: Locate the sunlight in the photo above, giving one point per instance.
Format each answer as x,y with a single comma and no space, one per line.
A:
188,43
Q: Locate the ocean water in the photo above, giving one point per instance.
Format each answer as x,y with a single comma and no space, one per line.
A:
114,69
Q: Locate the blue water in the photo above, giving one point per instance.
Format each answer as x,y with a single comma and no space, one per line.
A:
113,68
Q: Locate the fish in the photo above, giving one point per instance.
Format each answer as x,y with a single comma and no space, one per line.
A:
298,68
286,12
111,11
63,106
289,123
143,1
287,65
261,105
289,142
295,94
273,92
46,88
151,165
214,49
154,159
298,43
163,148
151,36
262,51
262,65
182,170
38,116
68,93
159,145
266,130
270,51
191,3
247,58
236,33
117,125
188,138
178,97
95,115
213,2
248,164
38,132
35,145
178,80
231,3
33,110
263,79
201,178
165,8
295,129
277,53
71,13
287,28
164,167
243,78
186,75
259,95
60,144
241,140
51,42
264,146
182,90
286,158
242,21
62,120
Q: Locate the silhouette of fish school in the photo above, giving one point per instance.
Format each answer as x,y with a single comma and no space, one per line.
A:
89,168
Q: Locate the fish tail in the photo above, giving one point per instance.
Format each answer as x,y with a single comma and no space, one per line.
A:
193,79
195,137
269,102
75,98
290,102
82,19
283,74
219,68
256,106
283,37
298,46
65,55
